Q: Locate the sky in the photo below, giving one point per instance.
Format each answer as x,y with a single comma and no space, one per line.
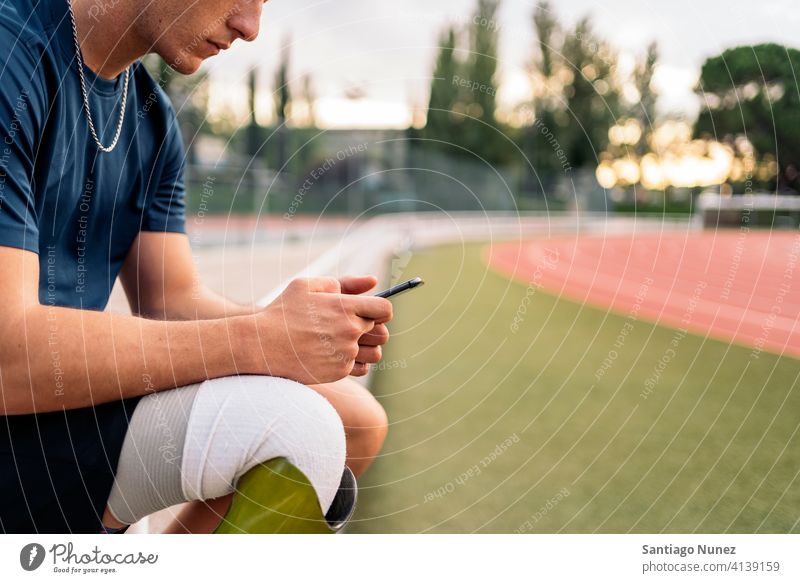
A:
388,48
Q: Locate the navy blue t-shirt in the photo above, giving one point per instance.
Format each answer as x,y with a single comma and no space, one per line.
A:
80,209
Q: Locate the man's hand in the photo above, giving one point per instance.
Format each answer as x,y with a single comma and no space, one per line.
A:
370,343
321,330
162,282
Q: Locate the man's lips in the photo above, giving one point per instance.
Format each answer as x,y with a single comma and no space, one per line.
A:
219,46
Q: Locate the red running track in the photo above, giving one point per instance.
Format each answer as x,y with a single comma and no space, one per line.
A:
736,286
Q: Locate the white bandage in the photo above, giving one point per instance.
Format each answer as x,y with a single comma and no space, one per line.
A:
195,442
239,422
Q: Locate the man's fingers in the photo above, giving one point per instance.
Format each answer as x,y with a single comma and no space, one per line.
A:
359,369
378,336
356,285
372,308
368,354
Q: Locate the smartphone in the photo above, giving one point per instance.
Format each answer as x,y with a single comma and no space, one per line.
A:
400,288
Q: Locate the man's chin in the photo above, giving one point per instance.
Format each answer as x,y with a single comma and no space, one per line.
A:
186,65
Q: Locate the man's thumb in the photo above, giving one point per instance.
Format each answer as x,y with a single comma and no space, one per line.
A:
353,284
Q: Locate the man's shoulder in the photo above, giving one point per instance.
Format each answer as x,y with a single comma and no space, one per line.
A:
23,52
20,24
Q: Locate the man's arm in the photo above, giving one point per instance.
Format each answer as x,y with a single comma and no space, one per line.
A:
54,358
161,282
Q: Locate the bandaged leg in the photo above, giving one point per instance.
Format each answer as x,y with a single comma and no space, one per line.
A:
196,442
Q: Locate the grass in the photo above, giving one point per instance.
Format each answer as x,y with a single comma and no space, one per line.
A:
497,431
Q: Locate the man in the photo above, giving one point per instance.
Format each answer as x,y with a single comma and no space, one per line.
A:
106,417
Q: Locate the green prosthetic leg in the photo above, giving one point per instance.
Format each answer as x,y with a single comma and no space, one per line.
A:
277,498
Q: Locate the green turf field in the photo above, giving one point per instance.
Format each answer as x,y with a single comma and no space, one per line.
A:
500,431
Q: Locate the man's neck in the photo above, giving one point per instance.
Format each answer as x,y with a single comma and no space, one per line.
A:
107,35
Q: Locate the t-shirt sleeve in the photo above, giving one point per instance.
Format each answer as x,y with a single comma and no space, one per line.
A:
22,111
167,211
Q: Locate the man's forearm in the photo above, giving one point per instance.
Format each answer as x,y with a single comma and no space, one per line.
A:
67,358
204,304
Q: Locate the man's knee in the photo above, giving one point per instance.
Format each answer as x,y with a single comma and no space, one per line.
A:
240,422
223,428
365,421
367,428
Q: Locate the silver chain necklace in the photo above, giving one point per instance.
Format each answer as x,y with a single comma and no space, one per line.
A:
86,95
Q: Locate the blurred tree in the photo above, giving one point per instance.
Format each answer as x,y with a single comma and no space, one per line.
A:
547,101
592,99
309,98
304,140
291,151
645,109
547,31
444,94
577,95
462,105
253,132
283,98
750,93
253,143
478,100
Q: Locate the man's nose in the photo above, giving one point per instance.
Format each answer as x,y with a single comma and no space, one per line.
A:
247,20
